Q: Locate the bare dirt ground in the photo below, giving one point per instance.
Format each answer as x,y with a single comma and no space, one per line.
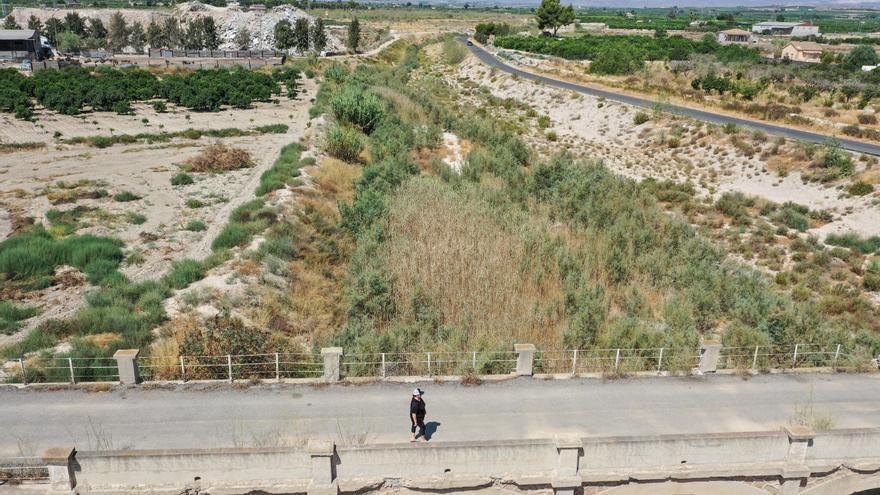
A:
28,180
590,127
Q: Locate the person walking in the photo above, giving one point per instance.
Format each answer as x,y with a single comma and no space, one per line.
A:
417,415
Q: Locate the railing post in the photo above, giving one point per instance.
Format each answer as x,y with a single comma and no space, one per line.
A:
525,359
127,366
332,363
836,353
794,359
70,365
574,362
566,479
277,368
182,370
474,361
323,468
710,352
617,360
60,462
229,366
23,371
429,364
660,361
383,365
755,359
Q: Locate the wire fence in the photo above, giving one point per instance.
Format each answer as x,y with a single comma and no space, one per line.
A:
15,470
281,366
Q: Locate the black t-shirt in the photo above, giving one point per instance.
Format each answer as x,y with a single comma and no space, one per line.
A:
417,407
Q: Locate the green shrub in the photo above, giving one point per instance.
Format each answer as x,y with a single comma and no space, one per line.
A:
182,179
196,226
194,203
336,73
136,218
735,205
871,281
454,52
183,273
860,188
231,236
272,129
284,171
793,216
35,253
125,196
160,106
344,142
10,315
358,107
640,118
854,241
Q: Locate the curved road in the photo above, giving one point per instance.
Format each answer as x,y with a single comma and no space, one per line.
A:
850,144
219,415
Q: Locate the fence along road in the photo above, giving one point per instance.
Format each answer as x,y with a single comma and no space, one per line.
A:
206,416
788,132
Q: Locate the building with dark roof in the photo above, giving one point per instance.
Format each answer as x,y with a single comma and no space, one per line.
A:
19,44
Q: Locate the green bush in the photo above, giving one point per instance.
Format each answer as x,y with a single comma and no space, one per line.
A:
125,196
182,179
196,226
35,253
617,60
344,143
735,205
284,171
336,73
640,118
194,203
354,105
10,315
871,281
183,273
860,188
231,236
854,241
793,216
136,218
160,106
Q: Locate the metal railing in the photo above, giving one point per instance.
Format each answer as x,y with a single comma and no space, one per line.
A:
281,366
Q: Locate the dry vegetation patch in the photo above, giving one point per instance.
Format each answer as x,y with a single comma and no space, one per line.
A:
220,157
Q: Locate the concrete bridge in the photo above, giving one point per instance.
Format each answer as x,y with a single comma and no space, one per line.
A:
725,435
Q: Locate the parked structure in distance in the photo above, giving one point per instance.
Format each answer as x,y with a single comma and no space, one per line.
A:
803,51
734,36
20,44
786,28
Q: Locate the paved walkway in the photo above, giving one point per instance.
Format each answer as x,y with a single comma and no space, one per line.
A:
279,415
704,115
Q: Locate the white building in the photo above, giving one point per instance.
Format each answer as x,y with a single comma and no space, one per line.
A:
786,28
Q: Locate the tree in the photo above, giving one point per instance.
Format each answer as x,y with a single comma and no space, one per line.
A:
117,34
319,37
780,18
137,37
210,37
172,33
75,24
553,15
96,29
283,35
859,56
354,35
155,37
301,35
9,22
68,41
243,39
54,27
35,23
193,38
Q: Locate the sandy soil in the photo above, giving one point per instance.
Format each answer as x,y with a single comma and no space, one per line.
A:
145,170
593,128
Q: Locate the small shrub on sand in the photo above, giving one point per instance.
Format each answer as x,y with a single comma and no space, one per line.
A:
196,226
182,179
861,188
344,143
219,157
125,197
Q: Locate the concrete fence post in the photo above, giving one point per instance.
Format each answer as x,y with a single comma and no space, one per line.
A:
525,359
566,480
710,353
323,467
127,364
332,363
796,471
60,462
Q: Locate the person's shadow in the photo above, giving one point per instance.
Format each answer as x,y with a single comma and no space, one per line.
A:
430,429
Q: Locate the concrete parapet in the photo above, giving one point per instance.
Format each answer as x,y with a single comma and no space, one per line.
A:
525,359
332,363
127,363
710,353
60,464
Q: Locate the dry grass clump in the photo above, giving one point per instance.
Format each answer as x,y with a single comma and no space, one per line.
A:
337,178
219,157
475,263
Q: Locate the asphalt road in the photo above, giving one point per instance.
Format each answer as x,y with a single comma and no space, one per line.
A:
286,415
790,133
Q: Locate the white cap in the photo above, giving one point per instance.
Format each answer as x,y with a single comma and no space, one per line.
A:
417,391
